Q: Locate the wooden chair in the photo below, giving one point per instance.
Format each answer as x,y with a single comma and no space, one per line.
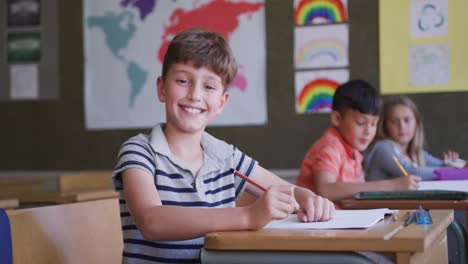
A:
86,232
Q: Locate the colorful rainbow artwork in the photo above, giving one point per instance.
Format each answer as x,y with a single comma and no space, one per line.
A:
317,96
315,49
320,11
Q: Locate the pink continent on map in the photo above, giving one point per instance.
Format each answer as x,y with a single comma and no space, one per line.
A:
219,16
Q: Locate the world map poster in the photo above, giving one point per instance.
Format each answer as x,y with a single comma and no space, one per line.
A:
124,44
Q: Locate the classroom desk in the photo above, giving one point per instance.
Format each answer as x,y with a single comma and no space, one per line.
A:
59,198
9,203
414,244
457,185
406,204
33,189
455,227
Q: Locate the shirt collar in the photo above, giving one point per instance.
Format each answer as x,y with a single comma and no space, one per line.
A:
352,152
158,141
217,150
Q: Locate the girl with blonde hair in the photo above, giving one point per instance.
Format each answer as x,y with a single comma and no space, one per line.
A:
401,135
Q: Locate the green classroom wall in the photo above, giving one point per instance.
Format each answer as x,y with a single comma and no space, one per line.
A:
51,135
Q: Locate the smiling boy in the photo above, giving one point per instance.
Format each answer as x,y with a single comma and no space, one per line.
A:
177,184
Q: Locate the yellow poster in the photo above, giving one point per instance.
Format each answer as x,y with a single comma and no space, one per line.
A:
423,46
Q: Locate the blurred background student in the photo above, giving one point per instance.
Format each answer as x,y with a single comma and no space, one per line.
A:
332,167
401,135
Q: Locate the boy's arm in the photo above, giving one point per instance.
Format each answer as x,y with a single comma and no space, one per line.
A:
313,206
328,187
158,222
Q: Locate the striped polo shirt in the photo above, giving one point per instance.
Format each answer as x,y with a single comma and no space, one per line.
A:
332,154
215,187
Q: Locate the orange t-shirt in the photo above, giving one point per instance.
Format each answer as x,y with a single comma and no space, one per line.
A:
331,153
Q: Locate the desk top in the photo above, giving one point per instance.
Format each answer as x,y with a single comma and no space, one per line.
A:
415,238
68,197
9,203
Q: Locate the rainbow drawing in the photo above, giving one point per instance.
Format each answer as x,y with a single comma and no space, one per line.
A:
322,53
317,96
320,11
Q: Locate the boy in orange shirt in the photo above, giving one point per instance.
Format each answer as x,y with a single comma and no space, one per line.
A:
332,166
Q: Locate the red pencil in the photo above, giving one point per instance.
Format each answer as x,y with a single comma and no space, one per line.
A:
247,179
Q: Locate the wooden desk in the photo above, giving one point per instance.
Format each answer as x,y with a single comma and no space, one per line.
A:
414,244
457,229
456,185
15,186
59,198
43,189
84,181
406,204
9,203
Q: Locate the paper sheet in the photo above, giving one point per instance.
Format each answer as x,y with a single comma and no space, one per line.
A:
24,81
343,219
429,18
429,64
458,185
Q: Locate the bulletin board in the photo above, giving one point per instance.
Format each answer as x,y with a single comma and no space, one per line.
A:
414,60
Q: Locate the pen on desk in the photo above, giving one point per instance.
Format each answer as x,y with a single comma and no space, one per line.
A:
409,220
393,232
247,179
400,167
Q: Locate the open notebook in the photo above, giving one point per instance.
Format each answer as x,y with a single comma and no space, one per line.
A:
343,219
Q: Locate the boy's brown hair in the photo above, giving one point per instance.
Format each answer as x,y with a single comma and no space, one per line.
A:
358,95
201,49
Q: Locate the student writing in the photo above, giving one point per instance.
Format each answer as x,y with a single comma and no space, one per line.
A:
401,135
177,183
332,166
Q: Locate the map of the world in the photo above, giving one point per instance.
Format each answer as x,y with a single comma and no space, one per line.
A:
125,41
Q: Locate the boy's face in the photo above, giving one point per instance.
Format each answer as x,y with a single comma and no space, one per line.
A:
356,128
193,97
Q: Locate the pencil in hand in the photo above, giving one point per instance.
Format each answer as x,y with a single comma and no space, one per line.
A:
399,166
247,179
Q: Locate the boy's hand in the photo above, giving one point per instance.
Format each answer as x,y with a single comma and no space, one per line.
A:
276,203
316,208
410,182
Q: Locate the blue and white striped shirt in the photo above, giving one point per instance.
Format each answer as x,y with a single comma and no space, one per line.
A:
215,187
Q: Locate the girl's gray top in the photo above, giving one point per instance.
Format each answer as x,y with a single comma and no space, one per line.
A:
379,164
